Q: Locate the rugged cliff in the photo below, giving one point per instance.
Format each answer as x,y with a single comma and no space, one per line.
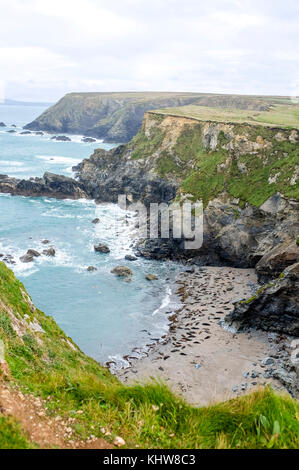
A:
244,171
116,117
246,175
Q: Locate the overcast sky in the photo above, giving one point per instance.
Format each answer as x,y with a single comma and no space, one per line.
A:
51,47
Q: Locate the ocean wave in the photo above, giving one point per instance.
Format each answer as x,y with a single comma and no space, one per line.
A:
55,159
165,301
11,163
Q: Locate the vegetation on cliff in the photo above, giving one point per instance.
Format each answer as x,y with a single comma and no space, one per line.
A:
45,363
248,162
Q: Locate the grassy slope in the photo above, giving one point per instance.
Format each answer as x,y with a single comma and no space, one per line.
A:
281,115
150,416
196,167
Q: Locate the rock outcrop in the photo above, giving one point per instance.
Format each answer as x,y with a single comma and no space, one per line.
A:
50,185
230,167
274,307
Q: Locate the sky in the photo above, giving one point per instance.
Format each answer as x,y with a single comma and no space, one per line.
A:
52,47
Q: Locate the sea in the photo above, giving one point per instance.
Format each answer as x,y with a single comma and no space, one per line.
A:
106,316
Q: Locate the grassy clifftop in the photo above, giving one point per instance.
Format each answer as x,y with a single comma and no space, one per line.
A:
45,363
116,117
277,115
211,151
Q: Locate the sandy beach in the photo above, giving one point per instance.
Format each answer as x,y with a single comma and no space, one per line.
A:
199,358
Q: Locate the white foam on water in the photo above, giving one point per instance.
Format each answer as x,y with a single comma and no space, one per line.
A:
165,301
58,159
11,163
115,228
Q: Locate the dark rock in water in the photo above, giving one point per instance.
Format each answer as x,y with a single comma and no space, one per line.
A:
50,185
88,139
274,307
2,124
102,248
11,131
39,133
96,220
91,268
62,138
121,271
13,125
45,242
33,253
25,133
29,256
8,259
130,258
49,252
26,258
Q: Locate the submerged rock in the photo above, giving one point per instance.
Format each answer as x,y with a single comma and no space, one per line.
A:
2,124
96,220
130,258
25,133
122,271
102,248
91,268
62,138
88,139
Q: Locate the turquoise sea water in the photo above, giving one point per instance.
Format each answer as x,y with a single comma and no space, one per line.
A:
106,316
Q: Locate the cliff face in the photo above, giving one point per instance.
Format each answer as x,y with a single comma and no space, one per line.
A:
116,117
246,176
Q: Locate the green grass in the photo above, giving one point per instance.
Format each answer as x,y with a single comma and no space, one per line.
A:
149,416
143,146
280,115
12,436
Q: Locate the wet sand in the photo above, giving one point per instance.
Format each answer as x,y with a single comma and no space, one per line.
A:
199,358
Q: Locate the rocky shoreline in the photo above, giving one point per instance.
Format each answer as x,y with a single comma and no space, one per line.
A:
248,234
201,357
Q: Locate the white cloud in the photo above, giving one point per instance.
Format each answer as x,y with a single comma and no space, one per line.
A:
50,47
